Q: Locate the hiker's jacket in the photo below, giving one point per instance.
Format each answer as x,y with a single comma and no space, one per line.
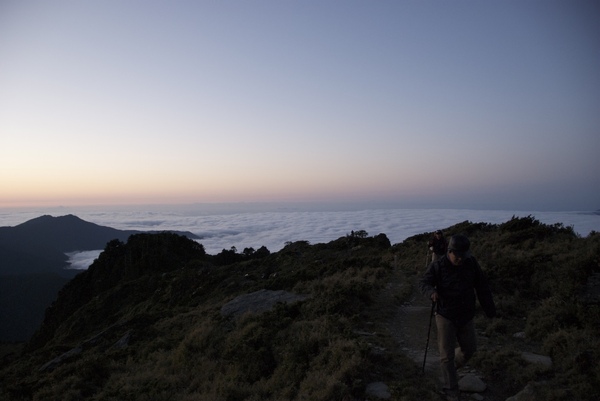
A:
456,287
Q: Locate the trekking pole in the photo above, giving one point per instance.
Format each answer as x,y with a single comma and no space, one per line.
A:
428,334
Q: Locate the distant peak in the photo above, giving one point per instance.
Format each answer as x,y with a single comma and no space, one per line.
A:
45,219
69,216
40,219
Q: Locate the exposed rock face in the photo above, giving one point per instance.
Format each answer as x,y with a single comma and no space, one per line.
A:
259,301
123,341
542,360
61,359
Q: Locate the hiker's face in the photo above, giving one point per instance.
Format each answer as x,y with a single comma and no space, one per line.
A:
455,259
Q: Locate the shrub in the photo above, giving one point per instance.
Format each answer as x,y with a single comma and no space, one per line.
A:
504,365
552,315
575,354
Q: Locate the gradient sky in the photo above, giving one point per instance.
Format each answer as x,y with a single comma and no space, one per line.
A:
468,104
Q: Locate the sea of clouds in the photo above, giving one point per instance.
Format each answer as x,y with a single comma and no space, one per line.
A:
253,226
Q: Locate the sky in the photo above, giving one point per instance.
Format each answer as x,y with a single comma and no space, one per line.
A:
462,104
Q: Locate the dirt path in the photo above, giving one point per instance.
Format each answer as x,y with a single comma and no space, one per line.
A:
409,326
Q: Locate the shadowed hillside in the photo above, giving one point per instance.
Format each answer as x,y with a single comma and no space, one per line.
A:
33,266
157,318
40,244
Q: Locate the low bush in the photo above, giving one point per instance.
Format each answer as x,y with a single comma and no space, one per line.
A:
575,354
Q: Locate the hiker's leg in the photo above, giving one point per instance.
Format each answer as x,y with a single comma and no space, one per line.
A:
467,343
446,332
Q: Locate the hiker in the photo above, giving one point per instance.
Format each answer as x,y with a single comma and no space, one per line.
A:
451,282
437,245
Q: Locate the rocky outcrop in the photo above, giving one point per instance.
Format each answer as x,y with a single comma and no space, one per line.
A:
378,390
59,360
471,384
542,360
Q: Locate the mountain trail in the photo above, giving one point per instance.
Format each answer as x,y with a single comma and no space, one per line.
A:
409,326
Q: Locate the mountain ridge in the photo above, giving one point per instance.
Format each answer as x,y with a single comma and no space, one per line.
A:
146,321
66,233
34,265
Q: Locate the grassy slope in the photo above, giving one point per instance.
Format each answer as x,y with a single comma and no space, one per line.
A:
166,299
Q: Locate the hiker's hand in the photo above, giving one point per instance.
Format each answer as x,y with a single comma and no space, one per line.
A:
434,297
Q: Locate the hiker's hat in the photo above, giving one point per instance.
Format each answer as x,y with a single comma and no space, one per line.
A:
460,245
